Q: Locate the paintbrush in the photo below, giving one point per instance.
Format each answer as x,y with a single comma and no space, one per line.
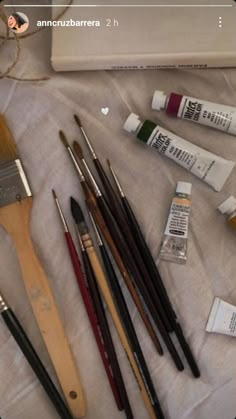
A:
121,219
124,312
155,275
146,387
88,304
93,206
33,359
15,209
98,304
102,174
126,254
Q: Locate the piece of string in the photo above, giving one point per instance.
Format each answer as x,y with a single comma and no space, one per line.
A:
5,38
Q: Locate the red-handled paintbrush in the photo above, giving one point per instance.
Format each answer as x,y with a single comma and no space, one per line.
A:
88,305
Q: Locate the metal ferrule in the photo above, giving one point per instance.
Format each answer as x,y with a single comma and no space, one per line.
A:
62,216
92,180
118,185
76,164
13,183
80,242
3,305
91,150
97,234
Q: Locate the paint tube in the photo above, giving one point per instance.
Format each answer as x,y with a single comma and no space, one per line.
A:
174,245
222,318
210,168
221,117
228,207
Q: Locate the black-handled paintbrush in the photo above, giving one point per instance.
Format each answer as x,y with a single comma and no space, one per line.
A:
102,174
83,230
125,316
129,261
106,334
102,281
121,219
33,359
154,273
94,208
15,209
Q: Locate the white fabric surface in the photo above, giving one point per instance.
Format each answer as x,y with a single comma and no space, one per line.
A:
35,112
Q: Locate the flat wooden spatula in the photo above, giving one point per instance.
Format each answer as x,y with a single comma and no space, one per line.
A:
15,209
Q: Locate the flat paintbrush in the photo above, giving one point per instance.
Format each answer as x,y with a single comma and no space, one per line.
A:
93,206
88,304
126,254
100,311
146,388
33,359
15,209
155,275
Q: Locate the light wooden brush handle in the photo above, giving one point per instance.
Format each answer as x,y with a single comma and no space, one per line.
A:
15,219
100,276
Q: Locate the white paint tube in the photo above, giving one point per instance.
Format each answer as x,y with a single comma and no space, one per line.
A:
222,318
214,115
209,167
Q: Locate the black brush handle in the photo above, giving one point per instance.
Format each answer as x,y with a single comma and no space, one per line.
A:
97,301
122,221
160,287
30,354
130,263
107,186
147,256
186,350
131,334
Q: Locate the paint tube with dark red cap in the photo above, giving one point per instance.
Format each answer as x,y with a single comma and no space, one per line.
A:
211,114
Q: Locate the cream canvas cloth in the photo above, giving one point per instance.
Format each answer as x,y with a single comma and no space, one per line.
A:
35,112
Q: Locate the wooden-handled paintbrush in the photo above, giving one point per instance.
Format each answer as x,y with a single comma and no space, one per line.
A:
15,209
89,306
122,221
145,383
93,206
125,251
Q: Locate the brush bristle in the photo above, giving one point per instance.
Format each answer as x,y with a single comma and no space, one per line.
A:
77,120
78,150
63,139
8,150
54,194
76,211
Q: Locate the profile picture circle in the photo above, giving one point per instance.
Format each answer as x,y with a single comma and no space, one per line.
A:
18,22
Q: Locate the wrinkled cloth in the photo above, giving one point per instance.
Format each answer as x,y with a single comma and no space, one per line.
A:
35,113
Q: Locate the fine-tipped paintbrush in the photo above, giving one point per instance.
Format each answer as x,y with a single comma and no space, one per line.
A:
102,174
155,275
126,254
123,310
121,219
100,311
33,359
88,304
15,209
93,206
146,386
